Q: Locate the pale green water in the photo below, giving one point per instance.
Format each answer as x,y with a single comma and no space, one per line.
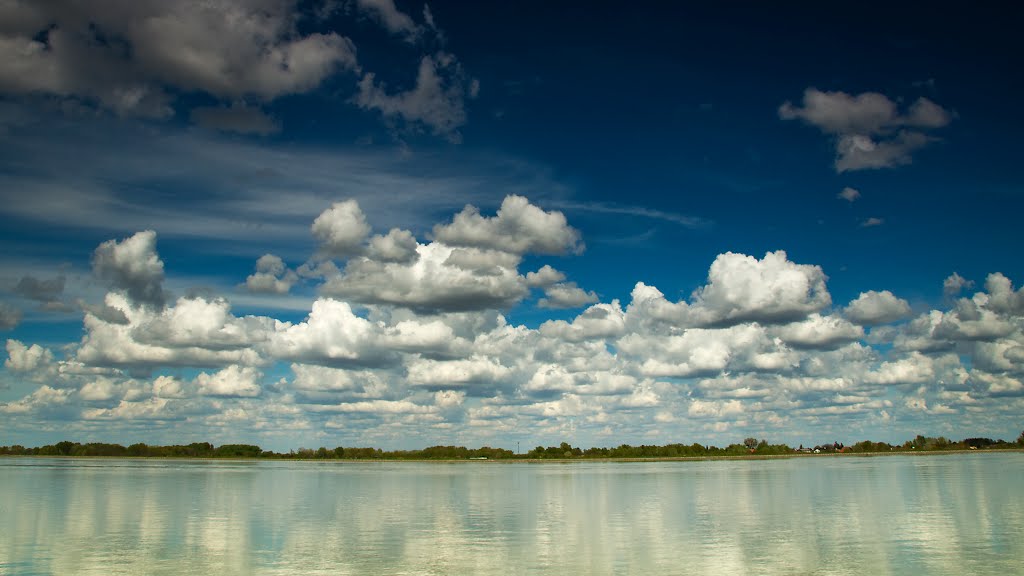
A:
951,514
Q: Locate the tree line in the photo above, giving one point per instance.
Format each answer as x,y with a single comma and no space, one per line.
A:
750,446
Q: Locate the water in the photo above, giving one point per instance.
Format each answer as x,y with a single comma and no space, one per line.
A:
949,514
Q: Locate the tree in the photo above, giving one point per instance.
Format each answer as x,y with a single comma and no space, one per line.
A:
64,448
750,443
237,451
138,450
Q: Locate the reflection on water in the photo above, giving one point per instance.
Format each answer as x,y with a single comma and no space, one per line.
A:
961,514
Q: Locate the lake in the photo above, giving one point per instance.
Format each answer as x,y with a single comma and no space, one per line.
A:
943,514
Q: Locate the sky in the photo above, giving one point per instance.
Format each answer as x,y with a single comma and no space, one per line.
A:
402,224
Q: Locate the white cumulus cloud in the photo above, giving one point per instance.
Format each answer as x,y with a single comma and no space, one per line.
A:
442,278
233,381
566,295
271,276
873,308
742,288
519,227
817,331
597,321
133,266
22,358
341,229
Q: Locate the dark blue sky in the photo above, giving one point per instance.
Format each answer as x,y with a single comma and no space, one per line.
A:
368,221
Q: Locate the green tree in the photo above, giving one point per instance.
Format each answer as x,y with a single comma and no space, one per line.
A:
238,451
64,448
138,450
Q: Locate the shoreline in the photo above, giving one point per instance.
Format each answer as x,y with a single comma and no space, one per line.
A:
538,460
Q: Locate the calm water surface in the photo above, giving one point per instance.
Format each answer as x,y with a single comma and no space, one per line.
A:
949,514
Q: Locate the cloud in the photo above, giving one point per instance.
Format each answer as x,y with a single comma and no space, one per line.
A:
420,345
869,129
434,374
131,56
383,407
237,118
840,113
566,295
151,409
170,387
696,351
200,322
545,276
920,334
132,265
442,278
519,227
608,208
1001,296
548,379
397,246
104,312
597,321
999,385
866,113
271,277
1001,355
859,152
449,399
872,222
314,378
332,335
101,390
820,332
954,284
44,291
437,101
974,320
924,113
872,308
985,318
231,194
45,401
551,379
742,288
22,358
710,409
233,381
341,229
10,317
916,368
391,18
849,194
193,332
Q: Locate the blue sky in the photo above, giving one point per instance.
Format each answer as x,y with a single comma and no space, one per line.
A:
401,224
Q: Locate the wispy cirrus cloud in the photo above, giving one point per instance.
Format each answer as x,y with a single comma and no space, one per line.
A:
688,221
124,177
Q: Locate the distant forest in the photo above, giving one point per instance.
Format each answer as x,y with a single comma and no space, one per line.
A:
749,447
